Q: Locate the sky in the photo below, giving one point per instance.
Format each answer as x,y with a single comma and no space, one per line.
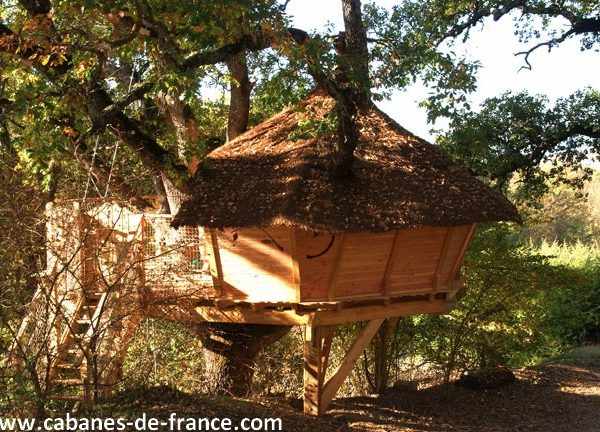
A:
556,74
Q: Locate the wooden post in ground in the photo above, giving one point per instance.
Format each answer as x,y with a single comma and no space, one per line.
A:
317,344
319,393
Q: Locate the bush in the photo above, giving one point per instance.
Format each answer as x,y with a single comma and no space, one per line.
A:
523,304
573,313
164,353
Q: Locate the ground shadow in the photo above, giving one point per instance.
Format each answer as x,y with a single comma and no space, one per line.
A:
553,398
160,402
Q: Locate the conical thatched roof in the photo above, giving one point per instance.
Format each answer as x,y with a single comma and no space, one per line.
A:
271,176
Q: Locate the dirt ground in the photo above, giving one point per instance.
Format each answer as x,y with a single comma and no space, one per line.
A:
552,398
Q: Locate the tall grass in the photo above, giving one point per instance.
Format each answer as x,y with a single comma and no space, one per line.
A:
577,255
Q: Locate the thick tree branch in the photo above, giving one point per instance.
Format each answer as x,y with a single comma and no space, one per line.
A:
181,116
138,92
256,42
239,104
145,146
354,52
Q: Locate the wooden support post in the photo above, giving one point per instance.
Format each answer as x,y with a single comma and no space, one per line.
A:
317,344
318,394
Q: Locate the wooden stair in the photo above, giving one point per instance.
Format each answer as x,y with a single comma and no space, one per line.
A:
68,370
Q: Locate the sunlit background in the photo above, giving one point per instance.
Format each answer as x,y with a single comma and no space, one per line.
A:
556,74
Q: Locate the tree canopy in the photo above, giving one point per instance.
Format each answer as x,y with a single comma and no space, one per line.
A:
525,135
122,83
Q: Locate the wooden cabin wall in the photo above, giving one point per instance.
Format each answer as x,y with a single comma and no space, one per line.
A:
426,259
358,265
254,264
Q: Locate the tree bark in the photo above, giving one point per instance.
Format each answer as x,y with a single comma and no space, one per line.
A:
351,88
356,52
231,351
383,358
161,193
239,105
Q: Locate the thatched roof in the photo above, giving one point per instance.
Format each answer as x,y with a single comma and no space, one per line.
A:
272,176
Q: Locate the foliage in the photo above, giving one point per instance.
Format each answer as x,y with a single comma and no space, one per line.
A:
585,356
573,314
402,52
523,304
164,353
281,367
497,319
564,215
520,136
278,83
22,228
21,256
310,127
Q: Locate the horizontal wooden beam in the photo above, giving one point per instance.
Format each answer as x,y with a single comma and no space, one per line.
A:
378,312
248,316
322,318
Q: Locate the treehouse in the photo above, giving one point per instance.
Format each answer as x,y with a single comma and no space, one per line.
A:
267,235
281,229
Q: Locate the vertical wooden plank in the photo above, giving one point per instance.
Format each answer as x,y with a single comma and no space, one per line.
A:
216,260
339,246
389,266
326,347
295,263
443,255
463,249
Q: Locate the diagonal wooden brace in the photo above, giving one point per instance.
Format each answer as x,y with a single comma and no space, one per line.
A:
318,394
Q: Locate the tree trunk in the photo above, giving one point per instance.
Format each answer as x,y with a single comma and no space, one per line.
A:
356,52
383,354
231,351
239,105
353,84
161,193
